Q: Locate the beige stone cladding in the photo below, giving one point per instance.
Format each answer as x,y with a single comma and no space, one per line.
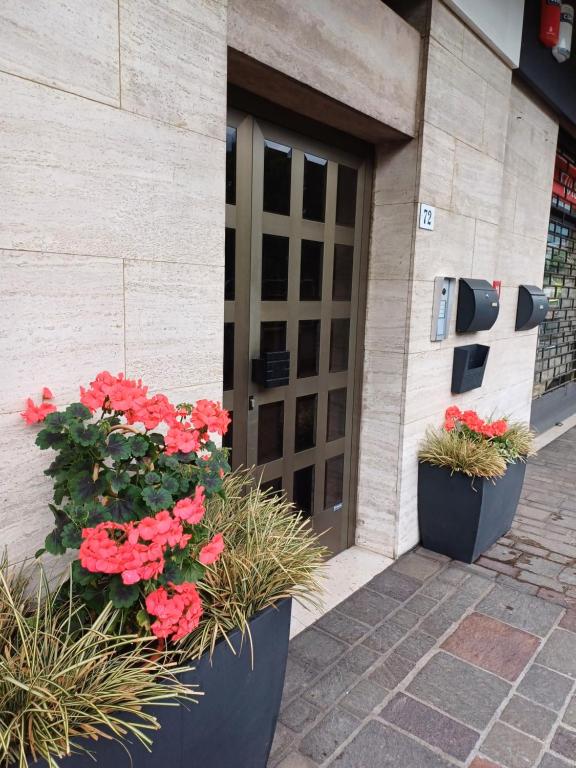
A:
359,53
487,151
112,226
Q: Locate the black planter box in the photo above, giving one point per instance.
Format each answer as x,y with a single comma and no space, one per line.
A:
233,724
461,516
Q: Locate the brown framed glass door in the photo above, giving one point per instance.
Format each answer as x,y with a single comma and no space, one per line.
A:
295,213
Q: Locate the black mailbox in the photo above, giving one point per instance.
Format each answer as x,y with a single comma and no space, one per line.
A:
532,307
272,369
468,367
478,305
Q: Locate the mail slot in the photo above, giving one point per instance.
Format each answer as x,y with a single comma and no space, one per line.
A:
272,369
468,367
532,307
478,305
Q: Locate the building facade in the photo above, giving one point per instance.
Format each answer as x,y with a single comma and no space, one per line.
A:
224,199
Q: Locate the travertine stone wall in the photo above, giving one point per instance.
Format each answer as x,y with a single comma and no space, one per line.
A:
485,160
361,54
112,225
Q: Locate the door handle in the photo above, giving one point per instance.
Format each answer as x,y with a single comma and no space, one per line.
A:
251,402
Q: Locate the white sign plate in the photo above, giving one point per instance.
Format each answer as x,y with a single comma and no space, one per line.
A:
427,213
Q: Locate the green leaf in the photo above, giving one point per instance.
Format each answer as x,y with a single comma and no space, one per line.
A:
139,446
156,438
83,488
118,447
119,480
48,438
97,513
71,537
170,484
177,573
168,462
152,478
53,544
194,571
157,498
84,435
123,595
78,411
120,510
80,575
39,552
56,420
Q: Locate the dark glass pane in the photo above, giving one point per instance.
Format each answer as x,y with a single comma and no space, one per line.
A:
311,270
227,439
334,482
339,344
230,264
274,486
346,196
308,347
336,425
303,490
274,268
272,336
305,426
342,276
314,199
277,168
231,165
270,431
228,356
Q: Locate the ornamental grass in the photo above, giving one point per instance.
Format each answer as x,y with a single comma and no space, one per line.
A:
467,443
271,553
62,683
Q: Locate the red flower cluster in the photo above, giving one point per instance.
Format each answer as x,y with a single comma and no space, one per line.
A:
130,397
187,436
36,413
114,392
471,420
212,551
178,611
181,438
191,510
136,550
137,554
208,415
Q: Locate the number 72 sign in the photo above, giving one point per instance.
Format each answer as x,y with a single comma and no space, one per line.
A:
426,216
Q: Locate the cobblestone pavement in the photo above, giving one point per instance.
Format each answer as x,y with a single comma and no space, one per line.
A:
432,664
539,553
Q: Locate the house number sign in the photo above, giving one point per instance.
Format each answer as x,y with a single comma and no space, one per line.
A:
427,216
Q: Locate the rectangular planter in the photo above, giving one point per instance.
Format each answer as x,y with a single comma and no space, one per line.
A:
234,721
461,516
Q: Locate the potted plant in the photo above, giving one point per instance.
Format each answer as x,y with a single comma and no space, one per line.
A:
187,554
470,478
64,682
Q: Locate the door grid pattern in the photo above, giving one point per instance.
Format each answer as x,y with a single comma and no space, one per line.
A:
294,220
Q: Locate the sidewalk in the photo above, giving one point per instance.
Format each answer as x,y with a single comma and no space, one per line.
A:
432,665
539,553
435,663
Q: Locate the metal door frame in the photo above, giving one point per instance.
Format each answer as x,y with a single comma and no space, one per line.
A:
249,221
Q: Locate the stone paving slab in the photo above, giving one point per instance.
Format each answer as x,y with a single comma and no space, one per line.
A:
432,664
540,550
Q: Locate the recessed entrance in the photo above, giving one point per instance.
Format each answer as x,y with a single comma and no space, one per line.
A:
294,277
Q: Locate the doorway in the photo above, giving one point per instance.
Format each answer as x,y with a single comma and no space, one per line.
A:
295,274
